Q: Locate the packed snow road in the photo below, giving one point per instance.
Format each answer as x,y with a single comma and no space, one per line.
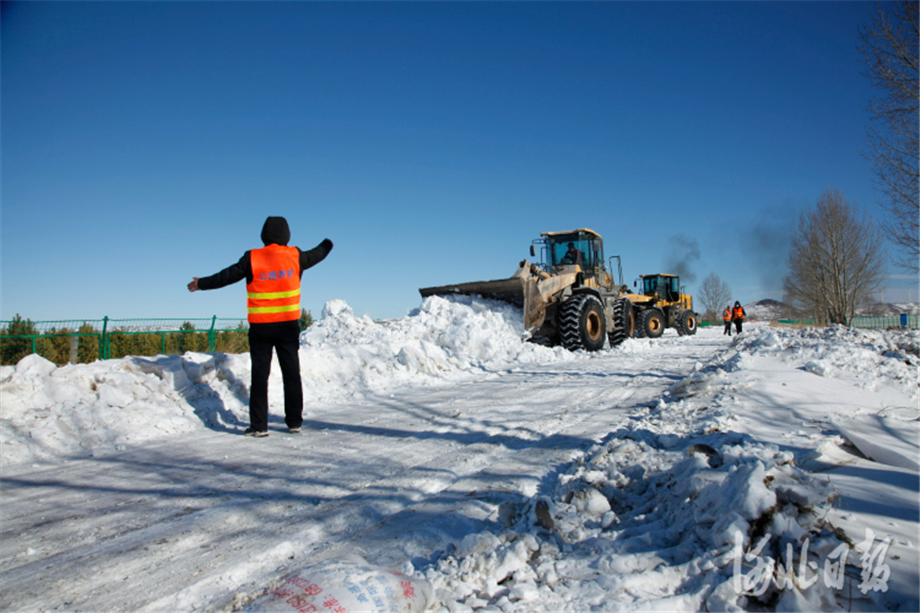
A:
776,470
191,521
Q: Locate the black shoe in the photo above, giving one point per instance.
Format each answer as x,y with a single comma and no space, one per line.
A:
255,433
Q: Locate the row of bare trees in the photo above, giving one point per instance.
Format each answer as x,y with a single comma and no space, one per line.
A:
837,252
714,295
890,46
836,264
836,260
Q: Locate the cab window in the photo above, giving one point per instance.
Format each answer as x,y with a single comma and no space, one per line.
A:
667,288
566,252
675,285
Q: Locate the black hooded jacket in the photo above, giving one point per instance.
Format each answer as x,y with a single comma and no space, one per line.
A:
274,232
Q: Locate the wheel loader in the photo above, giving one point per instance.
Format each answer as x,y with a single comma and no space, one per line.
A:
569,298
661,305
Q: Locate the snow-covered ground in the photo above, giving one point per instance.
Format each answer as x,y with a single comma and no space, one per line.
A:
773,470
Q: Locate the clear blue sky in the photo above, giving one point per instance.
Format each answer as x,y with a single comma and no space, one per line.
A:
145,143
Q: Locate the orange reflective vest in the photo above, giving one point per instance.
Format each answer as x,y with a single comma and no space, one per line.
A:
274,294
726,315
738,313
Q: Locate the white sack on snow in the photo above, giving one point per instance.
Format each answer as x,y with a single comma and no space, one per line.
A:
346,585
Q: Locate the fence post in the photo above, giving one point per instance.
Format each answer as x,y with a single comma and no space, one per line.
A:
212,336
104,342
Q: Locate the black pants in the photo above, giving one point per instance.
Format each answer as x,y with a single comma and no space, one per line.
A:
738,325
728,328
284,338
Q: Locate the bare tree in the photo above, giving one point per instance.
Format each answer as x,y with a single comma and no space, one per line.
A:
836,260
714,295
890,49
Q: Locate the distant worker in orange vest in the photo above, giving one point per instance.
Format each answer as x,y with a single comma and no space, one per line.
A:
738,316
272,276
727,319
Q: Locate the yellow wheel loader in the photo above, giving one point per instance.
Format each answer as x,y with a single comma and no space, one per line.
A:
661,305
569,298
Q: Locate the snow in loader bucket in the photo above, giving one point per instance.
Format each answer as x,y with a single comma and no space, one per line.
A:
520,291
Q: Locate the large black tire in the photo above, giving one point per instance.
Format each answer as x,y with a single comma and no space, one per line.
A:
625,321
582,324
687,322
650,324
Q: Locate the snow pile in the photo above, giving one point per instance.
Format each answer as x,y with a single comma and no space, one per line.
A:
884,363
50,412
884,439
871,359
652,521
441,342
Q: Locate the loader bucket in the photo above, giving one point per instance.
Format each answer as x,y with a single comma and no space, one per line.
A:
518,290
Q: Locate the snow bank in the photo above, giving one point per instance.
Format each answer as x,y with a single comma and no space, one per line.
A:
648,521
871,359
344,356
883,439
50,413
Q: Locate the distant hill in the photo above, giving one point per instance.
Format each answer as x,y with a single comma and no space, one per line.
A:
888,308
771,310
766,310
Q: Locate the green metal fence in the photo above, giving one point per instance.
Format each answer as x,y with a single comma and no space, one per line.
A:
903,321
883,323
83,341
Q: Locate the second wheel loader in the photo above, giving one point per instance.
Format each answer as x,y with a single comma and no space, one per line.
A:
569,299
661,305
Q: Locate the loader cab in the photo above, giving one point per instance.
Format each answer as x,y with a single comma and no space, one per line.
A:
579,247
666,287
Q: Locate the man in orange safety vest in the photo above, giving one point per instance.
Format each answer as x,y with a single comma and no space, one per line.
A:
727,319
738,316
272,276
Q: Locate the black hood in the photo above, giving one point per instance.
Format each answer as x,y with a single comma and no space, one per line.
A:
276,231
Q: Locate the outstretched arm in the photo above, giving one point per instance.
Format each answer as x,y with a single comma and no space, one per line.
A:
316,255
236,272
